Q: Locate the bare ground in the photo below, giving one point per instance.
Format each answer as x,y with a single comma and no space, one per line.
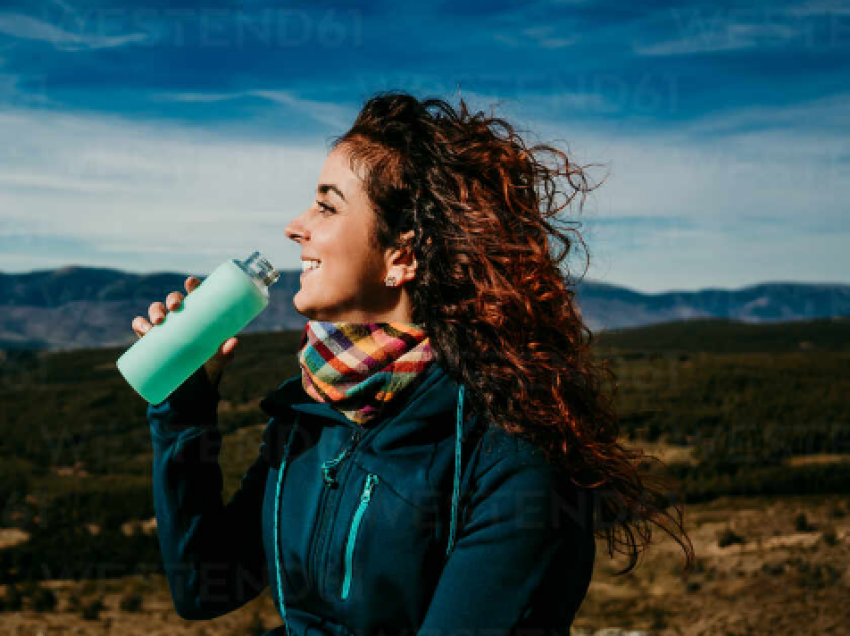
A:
786,577
781,580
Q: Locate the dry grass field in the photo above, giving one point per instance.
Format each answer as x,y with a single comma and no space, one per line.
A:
785,570
755,425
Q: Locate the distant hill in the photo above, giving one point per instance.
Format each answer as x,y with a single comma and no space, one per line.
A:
612,307
722,336
86,307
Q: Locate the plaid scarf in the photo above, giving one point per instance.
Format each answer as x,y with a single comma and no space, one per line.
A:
360,367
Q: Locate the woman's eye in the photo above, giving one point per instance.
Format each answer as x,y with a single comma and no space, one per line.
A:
325,208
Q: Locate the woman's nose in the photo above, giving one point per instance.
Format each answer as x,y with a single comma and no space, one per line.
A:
296,229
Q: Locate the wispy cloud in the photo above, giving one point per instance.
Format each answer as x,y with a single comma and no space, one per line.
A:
28,28
102,188
685,46
547,37
829,113
155,197
541,36
710,30
331,114
818,7
198,98
324,112
16,179
169,138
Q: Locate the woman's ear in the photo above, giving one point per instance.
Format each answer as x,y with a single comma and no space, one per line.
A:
401,260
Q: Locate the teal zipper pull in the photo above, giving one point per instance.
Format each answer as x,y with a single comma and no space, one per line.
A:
330,466
365,497
371,481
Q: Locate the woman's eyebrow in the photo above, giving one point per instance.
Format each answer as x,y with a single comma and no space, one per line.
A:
325,187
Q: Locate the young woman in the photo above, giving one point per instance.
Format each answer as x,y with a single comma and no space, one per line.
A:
449,452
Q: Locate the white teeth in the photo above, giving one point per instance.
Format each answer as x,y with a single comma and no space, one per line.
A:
308,265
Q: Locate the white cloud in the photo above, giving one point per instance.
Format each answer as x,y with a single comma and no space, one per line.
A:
547,37
28,28
710,30
171,192
202,98
324,112
743,206
334,115
831,112
542,36
818,7
685,46
23,179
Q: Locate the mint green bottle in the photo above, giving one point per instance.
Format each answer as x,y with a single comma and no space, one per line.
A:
219,308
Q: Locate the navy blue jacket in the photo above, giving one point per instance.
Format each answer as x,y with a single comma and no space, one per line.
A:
352,526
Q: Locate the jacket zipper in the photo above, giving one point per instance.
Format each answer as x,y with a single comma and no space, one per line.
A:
329,469
365,498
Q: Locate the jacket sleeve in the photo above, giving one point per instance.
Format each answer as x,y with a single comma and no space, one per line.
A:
213,554
523,559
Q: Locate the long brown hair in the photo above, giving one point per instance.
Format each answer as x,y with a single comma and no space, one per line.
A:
490,291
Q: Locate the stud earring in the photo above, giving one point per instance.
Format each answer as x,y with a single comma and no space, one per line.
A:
389,281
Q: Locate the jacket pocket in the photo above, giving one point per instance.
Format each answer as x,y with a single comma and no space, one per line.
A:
348,563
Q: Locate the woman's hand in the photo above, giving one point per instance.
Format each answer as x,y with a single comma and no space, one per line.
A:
214,367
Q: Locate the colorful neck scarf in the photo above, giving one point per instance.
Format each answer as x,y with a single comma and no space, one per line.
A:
358,368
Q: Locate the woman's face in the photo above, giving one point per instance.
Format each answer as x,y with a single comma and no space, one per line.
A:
349,284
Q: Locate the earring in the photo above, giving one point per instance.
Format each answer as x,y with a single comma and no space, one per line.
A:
389,281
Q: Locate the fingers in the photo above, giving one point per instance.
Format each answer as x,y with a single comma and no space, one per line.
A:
173,300
228,346
157,310
140,326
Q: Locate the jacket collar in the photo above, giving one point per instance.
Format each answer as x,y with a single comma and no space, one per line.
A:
440,389
431,405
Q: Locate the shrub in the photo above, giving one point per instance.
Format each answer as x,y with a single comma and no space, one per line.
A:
43,599
829,536
131,601
658,618
820,576
75,604
801,523
92,609
14,600
728,537
773,569
90,586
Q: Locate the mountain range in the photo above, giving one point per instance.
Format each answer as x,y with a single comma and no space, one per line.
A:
85,307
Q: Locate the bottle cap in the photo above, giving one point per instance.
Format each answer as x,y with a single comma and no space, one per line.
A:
260,267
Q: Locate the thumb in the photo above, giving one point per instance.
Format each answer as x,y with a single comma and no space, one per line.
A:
228,347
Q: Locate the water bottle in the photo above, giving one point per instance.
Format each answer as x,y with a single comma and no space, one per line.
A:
219,308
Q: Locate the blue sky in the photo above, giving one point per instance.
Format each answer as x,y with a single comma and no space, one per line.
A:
171,136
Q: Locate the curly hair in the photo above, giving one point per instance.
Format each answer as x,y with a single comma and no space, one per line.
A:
499,309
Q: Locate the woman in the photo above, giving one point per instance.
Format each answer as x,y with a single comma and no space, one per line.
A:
447,455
